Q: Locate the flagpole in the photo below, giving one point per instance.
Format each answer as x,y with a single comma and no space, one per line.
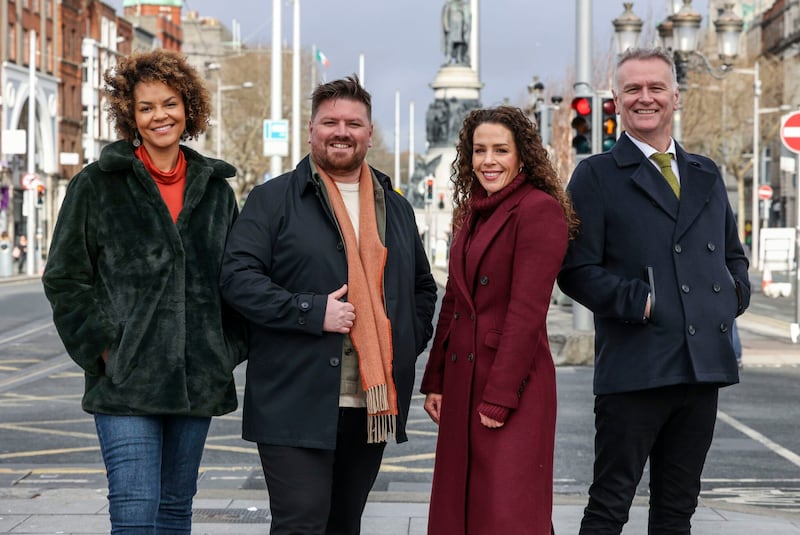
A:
313,67
296,84
276,104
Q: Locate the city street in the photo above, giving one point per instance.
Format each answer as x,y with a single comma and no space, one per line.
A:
49,442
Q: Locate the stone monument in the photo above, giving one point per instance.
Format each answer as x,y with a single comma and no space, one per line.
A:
456,92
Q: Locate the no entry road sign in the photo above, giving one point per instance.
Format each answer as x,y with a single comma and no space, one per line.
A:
790,131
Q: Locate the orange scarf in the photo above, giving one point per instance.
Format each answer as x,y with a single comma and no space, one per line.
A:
372,331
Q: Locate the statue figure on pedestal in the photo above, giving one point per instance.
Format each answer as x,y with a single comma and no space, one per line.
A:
456,22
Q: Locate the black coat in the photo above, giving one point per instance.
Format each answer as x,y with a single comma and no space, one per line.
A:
631,220
284,256
122,276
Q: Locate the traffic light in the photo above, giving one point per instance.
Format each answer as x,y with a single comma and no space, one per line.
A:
582,124
40,194
429,191
609,126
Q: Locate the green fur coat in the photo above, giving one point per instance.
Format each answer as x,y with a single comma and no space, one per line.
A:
122,276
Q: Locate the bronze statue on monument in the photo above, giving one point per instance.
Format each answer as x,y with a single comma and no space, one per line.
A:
456,25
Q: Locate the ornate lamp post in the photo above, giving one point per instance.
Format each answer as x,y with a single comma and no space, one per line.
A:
679,34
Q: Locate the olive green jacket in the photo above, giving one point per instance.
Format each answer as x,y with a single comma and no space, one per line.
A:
122,276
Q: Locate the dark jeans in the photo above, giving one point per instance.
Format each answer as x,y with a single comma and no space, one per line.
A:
673,426
322,492
151,464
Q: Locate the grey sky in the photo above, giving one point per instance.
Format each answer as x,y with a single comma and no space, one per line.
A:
400,40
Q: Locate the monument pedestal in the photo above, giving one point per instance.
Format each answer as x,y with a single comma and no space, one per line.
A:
457,92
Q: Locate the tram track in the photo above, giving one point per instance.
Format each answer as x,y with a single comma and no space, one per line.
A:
43,365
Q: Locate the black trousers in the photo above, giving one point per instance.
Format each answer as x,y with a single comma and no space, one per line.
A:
673,426
322,492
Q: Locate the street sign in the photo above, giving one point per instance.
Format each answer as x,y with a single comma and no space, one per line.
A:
790,131
30,181
765,192
276,137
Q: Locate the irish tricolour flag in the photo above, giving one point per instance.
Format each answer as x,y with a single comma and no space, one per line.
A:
321,58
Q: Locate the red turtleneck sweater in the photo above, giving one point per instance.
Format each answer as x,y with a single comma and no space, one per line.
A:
170,183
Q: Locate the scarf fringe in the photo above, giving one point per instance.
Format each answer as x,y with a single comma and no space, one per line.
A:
379,426
377,399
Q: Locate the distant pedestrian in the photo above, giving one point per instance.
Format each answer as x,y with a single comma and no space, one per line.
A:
133,278
21,254
327,266
659,262
490,379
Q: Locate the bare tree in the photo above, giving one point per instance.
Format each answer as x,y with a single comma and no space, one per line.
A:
718,121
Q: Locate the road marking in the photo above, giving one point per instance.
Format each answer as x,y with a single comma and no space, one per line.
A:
23,334
55,432
410,458
232,449
42,453
758,437
33,373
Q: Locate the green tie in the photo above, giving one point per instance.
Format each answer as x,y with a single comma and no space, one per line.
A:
664,161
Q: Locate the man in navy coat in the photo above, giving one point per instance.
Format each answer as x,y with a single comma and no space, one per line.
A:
664,272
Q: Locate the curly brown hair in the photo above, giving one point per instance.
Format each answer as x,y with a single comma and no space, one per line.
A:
538,169
157,65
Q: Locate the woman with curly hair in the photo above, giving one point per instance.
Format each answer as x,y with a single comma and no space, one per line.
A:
490,379
132,277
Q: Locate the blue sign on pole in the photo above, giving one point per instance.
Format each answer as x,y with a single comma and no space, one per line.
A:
276,137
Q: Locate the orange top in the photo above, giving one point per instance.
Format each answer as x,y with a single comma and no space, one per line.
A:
170,183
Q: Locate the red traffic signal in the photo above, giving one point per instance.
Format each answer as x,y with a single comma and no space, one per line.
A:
582,105
609,108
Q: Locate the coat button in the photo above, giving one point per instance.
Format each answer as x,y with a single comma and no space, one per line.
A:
711,247
484,280
691,330
470,357
453,357
301,321
685,288
678,248
305,305
456,315
334,361
723,327
339,246
716,287
348,351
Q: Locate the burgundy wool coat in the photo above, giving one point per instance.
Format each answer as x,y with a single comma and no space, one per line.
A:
491,345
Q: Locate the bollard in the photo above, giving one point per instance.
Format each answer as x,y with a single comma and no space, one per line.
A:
6,259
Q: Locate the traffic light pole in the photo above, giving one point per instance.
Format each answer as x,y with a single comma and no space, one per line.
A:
582,319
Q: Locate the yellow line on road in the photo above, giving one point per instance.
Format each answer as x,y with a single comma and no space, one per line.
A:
410,458
56,432
72,470
43,453
395,469
232,449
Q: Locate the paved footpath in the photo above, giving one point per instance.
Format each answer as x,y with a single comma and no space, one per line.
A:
242,512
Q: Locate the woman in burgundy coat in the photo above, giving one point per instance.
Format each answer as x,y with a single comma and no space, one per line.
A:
490,379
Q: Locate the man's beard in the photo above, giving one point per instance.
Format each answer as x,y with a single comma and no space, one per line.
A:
338,164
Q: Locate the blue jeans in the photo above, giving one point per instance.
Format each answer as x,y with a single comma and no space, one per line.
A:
151,464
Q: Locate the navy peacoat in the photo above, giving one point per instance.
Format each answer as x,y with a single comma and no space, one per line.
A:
636,238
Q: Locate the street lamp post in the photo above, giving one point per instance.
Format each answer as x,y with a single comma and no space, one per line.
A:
218,104
679,34
220,89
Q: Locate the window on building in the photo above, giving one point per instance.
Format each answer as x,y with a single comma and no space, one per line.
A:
50,53
11,45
